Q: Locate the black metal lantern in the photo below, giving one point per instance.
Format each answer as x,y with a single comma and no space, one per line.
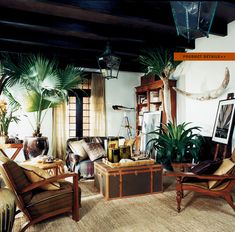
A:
193,19
109,63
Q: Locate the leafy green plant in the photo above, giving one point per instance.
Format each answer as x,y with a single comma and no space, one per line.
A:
176,142
42,84
6,117
161,61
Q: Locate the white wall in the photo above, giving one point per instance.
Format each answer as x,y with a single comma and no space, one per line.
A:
120,91
200,76
193,76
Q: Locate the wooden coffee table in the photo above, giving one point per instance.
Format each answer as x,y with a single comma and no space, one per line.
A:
127,181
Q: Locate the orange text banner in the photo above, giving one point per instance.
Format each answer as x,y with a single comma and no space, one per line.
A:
204,56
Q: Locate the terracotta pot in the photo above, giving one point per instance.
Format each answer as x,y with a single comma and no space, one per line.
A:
35,146
7,210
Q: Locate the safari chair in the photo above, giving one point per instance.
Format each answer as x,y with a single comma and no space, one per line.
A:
38,204
220,184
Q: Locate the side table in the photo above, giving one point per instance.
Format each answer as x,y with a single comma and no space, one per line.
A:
182,167
17,146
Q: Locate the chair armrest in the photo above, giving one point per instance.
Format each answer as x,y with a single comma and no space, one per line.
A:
51,179
205,177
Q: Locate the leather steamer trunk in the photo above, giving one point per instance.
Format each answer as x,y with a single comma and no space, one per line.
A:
128,181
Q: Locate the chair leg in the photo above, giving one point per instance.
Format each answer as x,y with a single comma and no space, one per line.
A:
179,193
26,226
229,199
75,214
178,199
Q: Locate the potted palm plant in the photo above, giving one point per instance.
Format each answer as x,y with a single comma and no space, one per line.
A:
160,61
42,85
175,143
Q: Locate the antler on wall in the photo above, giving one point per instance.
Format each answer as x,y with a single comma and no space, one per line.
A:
212,94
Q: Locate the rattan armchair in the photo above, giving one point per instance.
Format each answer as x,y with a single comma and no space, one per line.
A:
38,204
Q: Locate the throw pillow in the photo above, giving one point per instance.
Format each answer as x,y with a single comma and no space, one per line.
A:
36,174
206,167
77,149
3,158
94,150
223,169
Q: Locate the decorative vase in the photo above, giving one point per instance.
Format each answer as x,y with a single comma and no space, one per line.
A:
7,210
3,139
35,146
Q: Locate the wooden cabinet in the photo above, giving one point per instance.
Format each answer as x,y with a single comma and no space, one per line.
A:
149,97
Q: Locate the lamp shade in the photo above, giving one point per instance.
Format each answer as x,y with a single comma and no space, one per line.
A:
109,63
193,19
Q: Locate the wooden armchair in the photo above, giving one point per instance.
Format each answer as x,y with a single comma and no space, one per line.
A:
38,204
212,185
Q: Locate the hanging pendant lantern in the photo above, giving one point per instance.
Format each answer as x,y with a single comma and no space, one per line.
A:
109,63
193,19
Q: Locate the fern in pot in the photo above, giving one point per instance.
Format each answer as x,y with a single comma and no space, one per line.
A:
175,143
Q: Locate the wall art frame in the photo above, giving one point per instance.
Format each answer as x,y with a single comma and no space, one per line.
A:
224,121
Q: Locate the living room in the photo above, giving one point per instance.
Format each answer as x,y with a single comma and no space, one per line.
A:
201,79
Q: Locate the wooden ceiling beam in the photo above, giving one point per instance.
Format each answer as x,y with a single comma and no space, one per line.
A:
81,59
137,41
76,13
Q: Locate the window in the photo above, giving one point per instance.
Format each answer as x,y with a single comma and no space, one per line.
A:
79,110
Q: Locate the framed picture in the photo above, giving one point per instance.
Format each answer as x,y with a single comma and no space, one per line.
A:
224,122
151,120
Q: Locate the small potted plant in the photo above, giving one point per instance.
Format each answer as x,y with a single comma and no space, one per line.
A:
175,143
6,117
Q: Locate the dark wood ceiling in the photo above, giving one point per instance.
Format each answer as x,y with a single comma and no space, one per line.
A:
76,31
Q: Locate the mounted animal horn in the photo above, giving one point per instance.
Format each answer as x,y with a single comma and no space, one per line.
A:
212,94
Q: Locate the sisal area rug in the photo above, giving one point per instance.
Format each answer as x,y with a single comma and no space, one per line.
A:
149,213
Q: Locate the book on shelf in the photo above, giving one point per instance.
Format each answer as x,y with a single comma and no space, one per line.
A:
154,96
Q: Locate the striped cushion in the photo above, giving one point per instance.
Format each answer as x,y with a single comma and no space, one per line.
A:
19,178
48,201
224,168
36,174
3,158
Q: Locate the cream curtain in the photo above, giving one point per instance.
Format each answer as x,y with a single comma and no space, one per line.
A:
59,131
97,106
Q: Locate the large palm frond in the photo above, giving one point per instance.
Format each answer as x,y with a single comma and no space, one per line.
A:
157,59
71,77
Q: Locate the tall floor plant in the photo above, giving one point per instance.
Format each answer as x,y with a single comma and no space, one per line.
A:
160,61
42,84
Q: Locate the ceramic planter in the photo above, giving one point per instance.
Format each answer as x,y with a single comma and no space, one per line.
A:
35,146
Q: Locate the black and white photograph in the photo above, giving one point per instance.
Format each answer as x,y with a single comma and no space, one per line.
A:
151,121
224,122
